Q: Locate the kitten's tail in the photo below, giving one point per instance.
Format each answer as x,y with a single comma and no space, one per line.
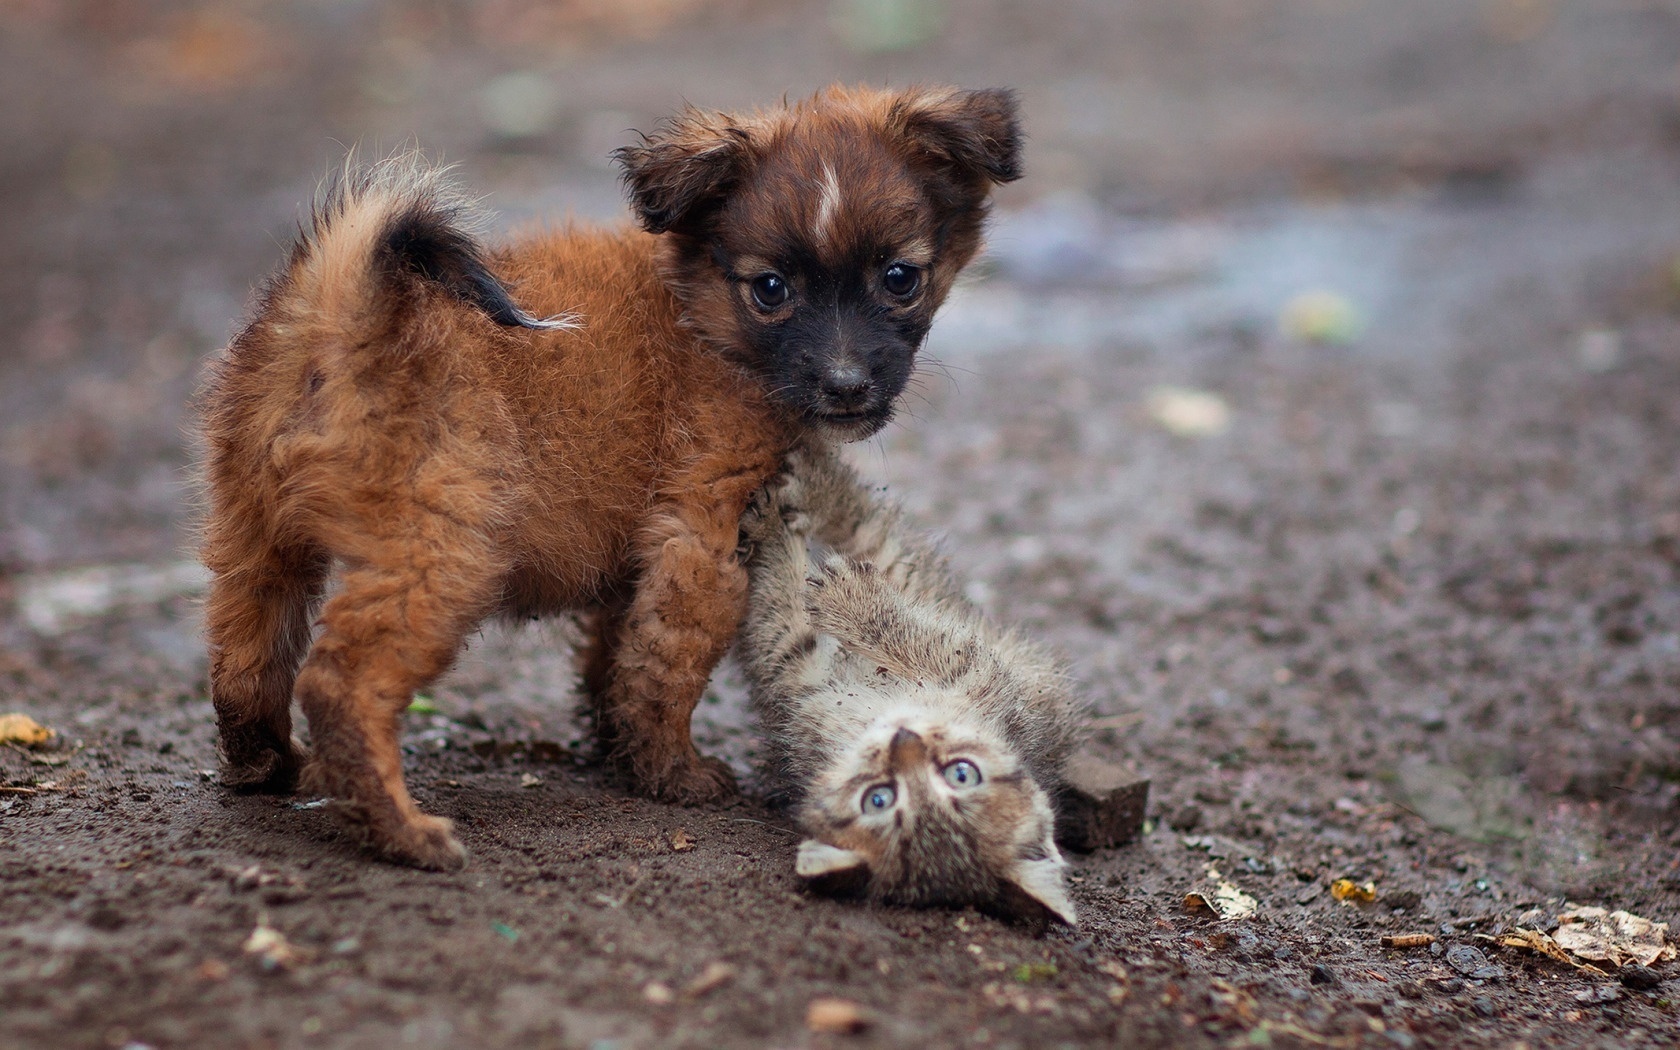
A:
378,236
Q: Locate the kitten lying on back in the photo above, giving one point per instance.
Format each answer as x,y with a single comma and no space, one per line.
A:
921,743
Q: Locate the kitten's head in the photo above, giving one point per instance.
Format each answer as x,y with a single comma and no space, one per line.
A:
934,813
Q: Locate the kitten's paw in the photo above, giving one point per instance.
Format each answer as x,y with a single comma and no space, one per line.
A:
851,601
758,522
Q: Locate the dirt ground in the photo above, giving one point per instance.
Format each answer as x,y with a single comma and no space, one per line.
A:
1379,585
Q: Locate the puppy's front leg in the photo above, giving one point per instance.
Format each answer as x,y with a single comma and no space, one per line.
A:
688,603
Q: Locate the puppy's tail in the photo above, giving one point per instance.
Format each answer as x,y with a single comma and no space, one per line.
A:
375,235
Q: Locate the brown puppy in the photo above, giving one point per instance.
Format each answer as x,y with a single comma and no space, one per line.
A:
390,412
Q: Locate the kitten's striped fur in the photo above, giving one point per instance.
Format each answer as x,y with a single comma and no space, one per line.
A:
868,669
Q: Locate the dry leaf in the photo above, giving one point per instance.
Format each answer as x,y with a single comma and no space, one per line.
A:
1616,937
1540,944
1224,900
681,841
273,950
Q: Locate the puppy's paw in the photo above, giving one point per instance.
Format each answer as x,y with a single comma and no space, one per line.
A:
425,842
259,764
411,838
695,780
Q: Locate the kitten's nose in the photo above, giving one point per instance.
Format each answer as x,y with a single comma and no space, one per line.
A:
907,751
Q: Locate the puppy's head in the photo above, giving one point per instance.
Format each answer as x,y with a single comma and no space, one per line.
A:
814,242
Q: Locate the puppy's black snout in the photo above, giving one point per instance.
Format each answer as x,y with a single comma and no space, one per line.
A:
846,387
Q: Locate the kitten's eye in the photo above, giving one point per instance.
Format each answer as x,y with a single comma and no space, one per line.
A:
769,291
902,280
962,774
879,798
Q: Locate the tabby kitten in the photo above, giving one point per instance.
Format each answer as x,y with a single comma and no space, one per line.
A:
921,743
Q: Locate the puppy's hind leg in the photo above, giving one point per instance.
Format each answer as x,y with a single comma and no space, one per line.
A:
257,621
395,625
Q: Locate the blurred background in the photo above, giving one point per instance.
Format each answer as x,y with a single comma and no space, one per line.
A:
157,154
1318,391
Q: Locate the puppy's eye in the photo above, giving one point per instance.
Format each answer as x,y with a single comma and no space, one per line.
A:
879,799
902,280
962,774
769,291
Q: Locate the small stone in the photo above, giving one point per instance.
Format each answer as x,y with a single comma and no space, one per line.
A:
716,974
1322,974
1484,1007
1640,978
1450,986
1466,959
109,918
1187,817
836,1017
1101,804
1403,900
1597,996
658,994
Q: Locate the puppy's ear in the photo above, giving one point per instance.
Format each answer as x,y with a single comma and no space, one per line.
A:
978,133
688,164
830,870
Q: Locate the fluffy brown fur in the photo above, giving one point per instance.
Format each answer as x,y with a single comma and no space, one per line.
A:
389,413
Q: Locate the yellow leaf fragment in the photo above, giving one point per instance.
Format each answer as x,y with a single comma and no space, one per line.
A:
1353,892
23,730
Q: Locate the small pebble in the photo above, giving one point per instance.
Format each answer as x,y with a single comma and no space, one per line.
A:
1322,974
1467,960
1640,978
835,1016
1484,1008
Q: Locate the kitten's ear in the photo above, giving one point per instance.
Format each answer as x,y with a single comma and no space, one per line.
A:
681,169
830,870
1033,889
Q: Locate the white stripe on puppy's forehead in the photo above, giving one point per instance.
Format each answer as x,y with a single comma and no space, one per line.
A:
828,205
